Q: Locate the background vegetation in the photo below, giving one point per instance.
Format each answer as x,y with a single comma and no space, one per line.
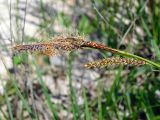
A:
40,87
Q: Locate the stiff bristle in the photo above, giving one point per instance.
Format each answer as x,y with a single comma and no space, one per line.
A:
114,61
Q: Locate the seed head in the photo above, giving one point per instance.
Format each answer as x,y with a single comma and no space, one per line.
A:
114,61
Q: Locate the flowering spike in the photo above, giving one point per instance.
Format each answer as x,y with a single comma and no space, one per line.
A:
114,61
58,45
42,48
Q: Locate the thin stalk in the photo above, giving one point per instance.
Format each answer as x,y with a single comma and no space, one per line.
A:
17,89
138,57
45,91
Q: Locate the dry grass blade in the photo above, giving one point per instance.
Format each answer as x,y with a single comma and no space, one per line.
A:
114,61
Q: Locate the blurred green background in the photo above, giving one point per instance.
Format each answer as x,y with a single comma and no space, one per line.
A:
59,87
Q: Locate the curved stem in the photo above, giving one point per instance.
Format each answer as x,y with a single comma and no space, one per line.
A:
115,51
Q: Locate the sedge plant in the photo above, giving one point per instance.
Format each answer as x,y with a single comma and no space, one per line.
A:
62,44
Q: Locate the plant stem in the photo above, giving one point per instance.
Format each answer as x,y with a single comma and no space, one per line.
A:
103,47
138,57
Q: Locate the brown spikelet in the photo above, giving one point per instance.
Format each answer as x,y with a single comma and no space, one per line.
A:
96,45
67,43
40,48
57,45
114,61
49,50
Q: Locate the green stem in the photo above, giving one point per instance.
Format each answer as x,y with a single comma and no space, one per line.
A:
138,57
115,51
